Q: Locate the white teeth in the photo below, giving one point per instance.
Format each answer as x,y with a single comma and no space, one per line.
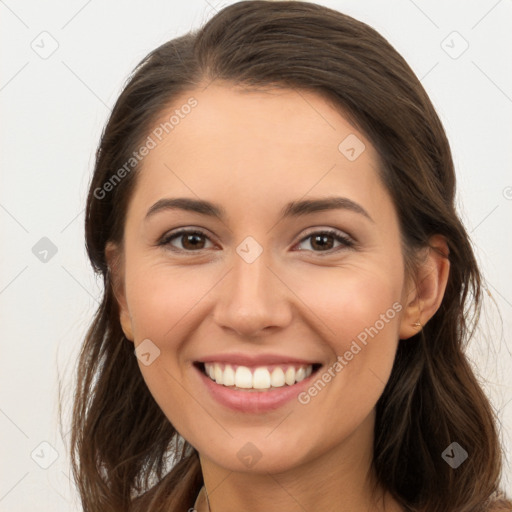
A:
228,378
243,377
261,379
218,374
300,374
257,378
277,378
289,376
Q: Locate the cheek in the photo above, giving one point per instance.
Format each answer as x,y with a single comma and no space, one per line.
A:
160,297
349,301
359,311
368,310
167,305
162,301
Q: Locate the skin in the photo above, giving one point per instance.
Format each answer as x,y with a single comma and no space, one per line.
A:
252,152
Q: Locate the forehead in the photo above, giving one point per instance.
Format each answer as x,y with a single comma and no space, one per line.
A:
277,120
258,148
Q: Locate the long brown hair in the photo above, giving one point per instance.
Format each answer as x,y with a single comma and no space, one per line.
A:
126,455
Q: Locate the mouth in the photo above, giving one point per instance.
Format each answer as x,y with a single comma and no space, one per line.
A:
265,378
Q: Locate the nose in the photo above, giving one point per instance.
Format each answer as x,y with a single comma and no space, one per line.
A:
252,299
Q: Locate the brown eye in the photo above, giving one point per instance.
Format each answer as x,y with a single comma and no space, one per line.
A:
192,241
188,241
323,241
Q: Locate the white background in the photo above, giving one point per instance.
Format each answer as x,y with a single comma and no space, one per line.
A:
53,111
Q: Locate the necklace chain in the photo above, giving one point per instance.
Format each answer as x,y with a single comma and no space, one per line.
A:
207,500
199,500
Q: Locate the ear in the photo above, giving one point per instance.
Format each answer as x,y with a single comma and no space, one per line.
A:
426,288
115,262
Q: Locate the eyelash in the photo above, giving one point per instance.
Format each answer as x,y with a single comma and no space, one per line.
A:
345,241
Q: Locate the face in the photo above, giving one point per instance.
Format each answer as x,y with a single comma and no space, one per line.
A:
293,278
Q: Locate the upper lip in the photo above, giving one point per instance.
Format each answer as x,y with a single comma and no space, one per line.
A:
254,359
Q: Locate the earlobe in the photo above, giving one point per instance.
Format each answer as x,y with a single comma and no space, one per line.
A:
115,262
428,288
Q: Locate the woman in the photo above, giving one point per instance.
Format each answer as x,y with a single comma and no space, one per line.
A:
287,283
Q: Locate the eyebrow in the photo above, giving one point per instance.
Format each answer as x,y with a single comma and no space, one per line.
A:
292,209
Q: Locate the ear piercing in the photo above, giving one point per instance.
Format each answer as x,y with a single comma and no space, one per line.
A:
417,324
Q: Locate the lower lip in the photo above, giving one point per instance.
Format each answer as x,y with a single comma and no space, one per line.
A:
254,401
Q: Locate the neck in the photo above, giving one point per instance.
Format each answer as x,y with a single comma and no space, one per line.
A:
342,478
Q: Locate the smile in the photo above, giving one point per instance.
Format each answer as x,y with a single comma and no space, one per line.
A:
254,383
256,378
